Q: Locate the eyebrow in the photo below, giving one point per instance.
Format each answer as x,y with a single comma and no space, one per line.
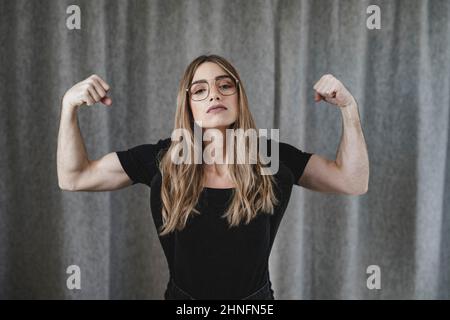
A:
218,77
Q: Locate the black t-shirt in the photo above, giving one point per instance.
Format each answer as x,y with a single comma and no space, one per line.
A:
207,259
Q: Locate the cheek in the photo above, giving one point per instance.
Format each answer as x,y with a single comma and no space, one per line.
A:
196,110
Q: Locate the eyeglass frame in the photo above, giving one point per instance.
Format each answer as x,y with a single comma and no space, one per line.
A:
209,86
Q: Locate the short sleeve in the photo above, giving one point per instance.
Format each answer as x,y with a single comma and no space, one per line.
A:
294,158
140,162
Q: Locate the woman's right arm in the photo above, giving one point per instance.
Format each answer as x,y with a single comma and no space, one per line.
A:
75,171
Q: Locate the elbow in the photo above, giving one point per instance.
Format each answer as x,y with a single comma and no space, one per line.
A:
359,192
358,189
356,192
356,183
67,181
66,185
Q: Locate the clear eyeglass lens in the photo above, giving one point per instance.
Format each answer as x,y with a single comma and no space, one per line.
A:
200,91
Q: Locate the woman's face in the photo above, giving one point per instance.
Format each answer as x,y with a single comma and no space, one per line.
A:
219,118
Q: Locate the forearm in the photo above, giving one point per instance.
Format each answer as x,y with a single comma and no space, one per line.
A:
71,152
352,158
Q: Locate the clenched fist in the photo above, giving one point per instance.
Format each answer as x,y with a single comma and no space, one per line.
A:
89,91
331,90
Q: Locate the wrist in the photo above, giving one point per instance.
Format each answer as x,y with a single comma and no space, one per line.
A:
68,111
350,104
350,111
67,107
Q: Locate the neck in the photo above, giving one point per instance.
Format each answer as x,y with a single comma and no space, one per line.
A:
214,144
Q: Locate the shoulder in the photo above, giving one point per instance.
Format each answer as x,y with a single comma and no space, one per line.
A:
143,154
152,148
141,161
284,149
291,156
162,143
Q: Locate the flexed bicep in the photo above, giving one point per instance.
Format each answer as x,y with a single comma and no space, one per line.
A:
104,174
323,175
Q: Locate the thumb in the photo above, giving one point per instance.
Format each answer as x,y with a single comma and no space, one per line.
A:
317,97
106,100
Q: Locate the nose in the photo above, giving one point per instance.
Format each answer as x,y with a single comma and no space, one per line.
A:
214,93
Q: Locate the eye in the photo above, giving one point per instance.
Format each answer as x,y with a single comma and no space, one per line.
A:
199,91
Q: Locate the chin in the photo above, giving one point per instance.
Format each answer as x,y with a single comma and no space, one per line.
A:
217,123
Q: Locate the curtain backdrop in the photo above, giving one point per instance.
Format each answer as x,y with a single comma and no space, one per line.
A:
398,74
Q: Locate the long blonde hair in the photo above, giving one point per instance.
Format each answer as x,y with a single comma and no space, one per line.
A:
183,183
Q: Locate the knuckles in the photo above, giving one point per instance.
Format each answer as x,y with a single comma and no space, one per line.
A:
329,77
87,86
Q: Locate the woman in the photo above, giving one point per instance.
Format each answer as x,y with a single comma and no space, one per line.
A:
216,221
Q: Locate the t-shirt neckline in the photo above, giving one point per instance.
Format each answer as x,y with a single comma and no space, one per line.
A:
218,189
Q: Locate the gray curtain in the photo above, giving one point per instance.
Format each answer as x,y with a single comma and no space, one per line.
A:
399,75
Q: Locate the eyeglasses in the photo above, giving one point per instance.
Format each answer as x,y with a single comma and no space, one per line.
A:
226,85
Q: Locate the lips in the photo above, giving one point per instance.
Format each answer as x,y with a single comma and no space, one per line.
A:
216,106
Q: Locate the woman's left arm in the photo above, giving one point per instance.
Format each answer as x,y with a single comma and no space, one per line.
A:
349,173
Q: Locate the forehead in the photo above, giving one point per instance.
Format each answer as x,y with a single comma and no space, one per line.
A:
208,70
